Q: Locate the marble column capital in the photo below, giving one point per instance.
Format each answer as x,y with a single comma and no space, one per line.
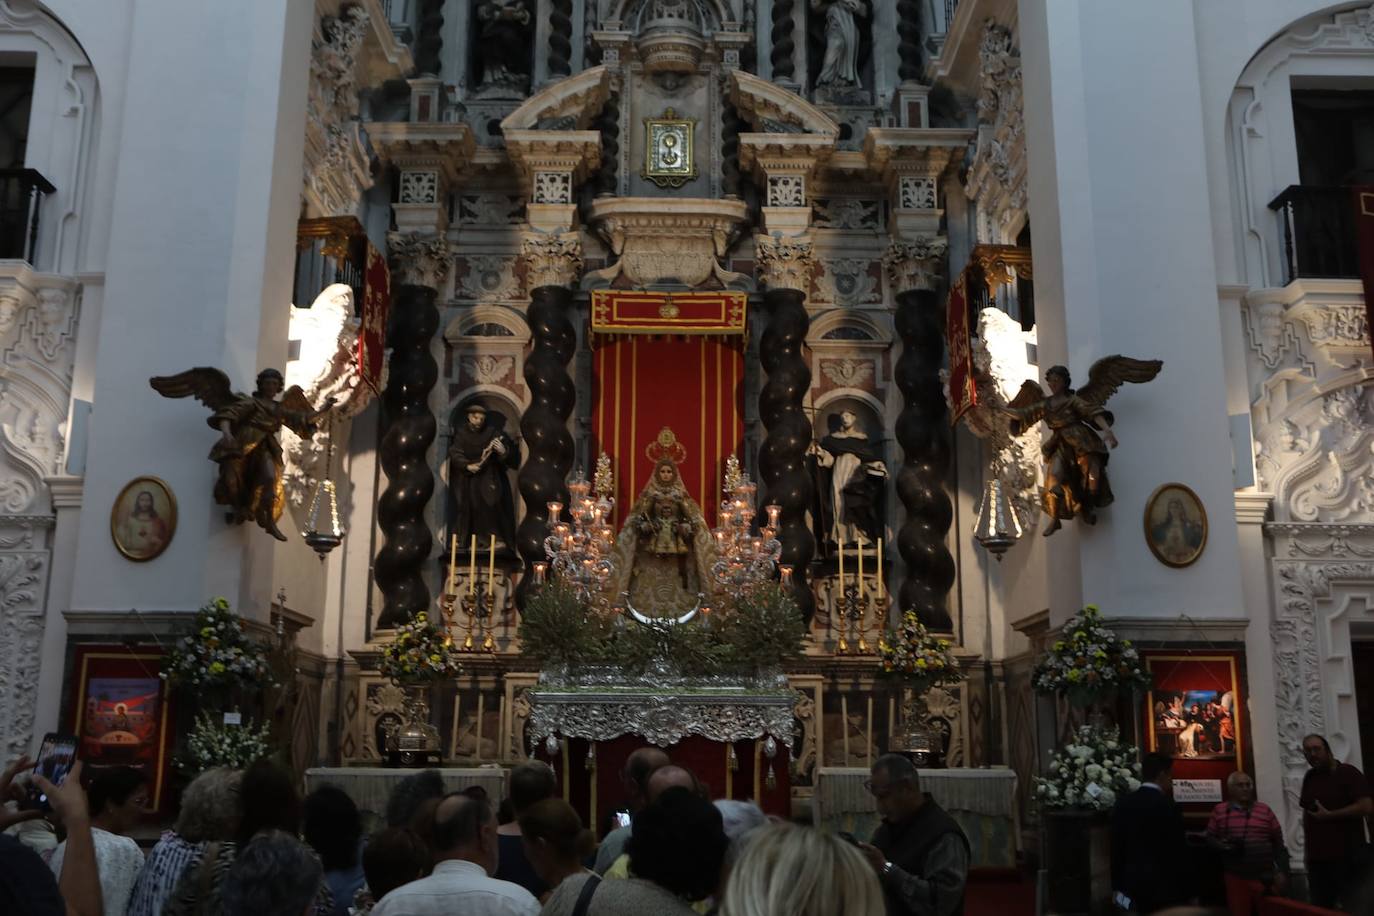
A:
418,259
551,259
784,262
915,263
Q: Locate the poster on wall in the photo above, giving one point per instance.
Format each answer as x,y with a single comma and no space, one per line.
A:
121,714
1193,709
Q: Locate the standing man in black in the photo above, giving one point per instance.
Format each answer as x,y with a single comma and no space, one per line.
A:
1149,863
920,854
1335,802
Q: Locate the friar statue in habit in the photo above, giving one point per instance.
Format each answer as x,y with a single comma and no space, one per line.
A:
478,460
851,475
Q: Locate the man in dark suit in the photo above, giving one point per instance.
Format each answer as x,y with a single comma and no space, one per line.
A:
1149,862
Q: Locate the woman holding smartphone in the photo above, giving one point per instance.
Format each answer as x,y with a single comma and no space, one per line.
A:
117,797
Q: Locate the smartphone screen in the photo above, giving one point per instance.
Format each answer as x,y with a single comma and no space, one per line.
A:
622,818
55,758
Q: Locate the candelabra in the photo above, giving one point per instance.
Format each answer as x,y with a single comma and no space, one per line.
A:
742,557
580,552
477,605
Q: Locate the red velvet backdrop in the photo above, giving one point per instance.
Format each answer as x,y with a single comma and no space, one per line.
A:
1196,676
691,385
706,758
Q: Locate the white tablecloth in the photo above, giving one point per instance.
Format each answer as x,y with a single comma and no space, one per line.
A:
369,787
983,801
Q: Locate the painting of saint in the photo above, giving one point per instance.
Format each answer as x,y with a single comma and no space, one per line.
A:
143,519
1175,525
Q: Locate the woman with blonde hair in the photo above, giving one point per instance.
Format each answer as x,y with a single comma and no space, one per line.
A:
788,870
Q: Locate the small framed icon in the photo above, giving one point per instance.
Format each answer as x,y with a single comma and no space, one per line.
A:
668,141
1175,525
143,519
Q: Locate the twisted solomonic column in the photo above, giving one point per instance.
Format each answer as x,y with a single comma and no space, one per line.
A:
553,262
784,266
419,264
922,431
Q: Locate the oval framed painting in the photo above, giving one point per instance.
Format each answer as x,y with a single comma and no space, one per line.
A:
143,519
1175,525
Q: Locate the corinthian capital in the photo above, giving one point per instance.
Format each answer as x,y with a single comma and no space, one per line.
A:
418,260
915,263
784,262
551,259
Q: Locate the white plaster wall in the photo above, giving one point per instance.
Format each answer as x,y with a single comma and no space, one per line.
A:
1124,263
205,184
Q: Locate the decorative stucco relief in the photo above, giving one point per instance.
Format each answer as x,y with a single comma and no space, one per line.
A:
996,170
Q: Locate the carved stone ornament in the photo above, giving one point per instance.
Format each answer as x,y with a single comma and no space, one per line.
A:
997,172
658,239
659,716
419,187
553,187
418,260
337,167
915,263
848,373
784,262
786,190
847,281
326,337
488,278
24,565
551,259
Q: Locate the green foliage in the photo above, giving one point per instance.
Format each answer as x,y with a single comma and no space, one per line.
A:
217,654
759,630
560,631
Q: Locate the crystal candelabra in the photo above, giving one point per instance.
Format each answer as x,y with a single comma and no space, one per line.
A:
580,553
742,557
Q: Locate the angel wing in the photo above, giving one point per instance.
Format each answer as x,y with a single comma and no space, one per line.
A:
1030,401
1110,372
295,401
206,384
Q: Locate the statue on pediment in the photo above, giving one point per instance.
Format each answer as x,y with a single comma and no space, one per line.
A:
503,46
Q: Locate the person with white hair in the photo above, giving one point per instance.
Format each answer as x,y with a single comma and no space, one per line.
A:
787,870
1249,835
209,813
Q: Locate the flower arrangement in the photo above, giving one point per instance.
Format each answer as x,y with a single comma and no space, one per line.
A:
420,652
214,744
911,653
217,653
1088,661
1089,772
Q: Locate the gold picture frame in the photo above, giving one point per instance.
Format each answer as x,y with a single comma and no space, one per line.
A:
143,528
1175,525
669,160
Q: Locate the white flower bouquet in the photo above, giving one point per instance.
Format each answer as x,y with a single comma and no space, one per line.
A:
1088,662
214,744
217,653
1090,772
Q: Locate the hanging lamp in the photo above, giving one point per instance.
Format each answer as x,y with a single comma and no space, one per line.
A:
322,541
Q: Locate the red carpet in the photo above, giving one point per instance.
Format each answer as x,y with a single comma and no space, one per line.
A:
999,892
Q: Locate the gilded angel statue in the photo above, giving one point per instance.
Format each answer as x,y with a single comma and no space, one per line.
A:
248,454
1075,453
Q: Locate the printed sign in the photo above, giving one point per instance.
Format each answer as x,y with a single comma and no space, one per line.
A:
1197,790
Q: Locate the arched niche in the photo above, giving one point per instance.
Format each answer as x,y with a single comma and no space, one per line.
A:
480,323
500,403
842,325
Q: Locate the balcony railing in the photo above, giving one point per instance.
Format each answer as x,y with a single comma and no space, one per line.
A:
21,193
1000,276
1317,225
330,249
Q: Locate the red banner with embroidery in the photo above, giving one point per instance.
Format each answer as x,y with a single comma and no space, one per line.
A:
616,311
963,393
376,307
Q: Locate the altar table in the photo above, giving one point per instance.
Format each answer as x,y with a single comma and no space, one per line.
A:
982,801
369,787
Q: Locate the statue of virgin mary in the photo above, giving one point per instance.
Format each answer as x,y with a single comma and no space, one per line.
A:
664,553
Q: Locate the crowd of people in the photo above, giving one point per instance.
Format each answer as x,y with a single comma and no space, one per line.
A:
245,843
1155,866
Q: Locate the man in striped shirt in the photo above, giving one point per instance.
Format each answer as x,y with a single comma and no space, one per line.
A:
1249,834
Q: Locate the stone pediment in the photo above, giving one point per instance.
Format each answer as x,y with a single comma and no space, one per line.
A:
769,108
569,104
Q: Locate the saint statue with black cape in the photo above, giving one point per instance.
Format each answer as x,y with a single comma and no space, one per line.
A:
479,457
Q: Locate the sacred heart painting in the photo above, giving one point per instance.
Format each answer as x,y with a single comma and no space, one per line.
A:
1175,525
143,519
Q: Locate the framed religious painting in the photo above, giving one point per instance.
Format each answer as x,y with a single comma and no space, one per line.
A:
668,158
1193,709
143,519
121,715
1175,525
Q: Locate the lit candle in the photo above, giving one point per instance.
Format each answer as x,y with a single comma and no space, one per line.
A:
472,566
880,573
773,510
555,509
861,567
452,564
491,566
539,570
786,574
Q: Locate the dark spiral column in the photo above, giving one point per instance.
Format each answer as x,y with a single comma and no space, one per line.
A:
560,38
608,123
409,429
923,433
909,40
782,457
730,123
544,426
429,37
780,40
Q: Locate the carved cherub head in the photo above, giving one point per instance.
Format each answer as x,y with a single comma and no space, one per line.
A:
9,313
